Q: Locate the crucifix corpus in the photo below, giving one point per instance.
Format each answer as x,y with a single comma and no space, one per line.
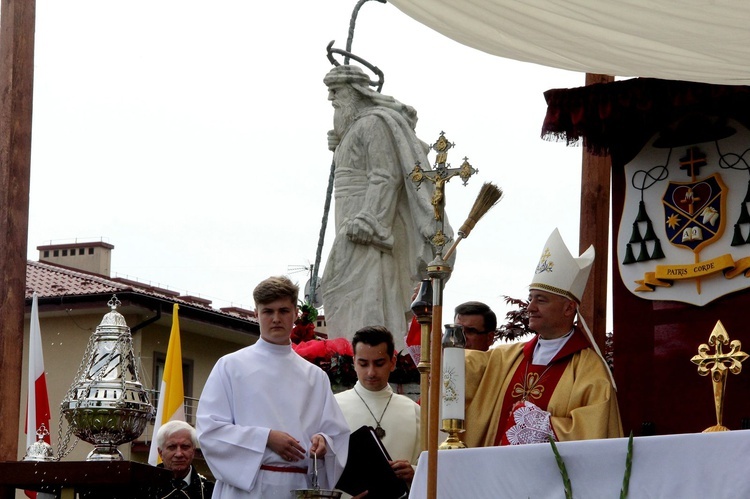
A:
441,174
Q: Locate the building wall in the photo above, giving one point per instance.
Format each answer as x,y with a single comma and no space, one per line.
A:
65,335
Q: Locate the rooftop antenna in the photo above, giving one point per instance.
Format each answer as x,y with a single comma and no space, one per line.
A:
309,297
296,269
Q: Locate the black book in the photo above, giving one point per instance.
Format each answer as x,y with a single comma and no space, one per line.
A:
367,468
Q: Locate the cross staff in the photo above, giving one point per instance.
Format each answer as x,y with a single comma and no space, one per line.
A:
718,364
439,271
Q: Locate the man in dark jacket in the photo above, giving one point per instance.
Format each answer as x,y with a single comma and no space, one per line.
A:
176,441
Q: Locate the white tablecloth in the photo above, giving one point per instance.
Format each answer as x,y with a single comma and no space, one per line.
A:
701,465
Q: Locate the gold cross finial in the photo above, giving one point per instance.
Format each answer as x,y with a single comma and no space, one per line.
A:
718,364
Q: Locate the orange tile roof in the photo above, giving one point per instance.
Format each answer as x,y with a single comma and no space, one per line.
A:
50,280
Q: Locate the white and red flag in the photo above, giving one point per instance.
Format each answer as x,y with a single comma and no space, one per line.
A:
414,341
37,404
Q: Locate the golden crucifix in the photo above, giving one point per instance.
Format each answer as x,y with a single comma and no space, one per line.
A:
441,174
718,364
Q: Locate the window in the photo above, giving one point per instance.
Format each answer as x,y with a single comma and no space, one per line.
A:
91,251
56,253
65,252
191,404
46,253
80,251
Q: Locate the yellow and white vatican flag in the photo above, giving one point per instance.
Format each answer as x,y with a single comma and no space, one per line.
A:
171,406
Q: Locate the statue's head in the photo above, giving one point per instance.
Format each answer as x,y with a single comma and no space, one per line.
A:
346,74
349,93
349,85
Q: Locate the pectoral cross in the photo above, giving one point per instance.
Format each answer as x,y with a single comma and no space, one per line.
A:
441,174
718,364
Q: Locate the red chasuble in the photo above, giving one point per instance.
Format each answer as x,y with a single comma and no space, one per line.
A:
536,383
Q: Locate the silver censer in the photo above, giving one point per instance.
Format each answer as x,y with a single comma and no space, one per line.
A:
106,405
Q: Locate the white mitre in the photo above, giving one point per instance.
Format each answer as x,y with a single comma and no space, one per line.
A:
559,272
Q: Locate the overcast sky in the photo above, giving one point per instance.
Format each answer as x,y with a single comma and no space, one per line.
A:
192,136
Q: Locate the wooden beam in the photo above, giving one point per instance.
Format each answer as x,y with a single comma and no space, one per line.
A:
17,22
595,199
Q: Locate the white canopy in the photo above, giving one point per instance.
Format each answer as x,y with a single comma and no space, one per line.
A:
694,40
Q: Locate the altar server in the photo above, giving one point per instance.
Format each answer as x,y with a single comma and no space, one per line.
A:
265,411
372,401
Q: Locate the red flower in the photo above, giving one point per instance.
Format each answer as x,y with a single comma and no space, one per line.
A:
323,349
333,356
303,332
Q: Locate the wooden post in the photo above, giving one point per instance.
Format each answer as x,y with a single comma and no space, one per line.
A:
594,229
16,86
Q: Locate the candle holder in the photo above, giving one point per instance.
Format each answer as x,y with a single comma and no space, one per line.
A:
421,307
422,310
453,427
454,386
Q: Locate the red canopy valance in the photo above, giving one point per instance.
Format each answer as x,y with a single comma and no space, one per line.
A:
618,118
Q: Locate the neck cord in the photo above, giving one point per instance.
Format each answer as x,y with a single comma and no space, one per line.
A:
379,431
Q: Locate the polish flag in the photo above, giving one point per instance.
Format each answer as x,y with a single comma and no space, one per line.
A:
37,405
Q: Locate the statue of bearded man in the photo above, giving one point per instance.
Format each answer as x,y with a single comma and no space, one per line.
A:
383,223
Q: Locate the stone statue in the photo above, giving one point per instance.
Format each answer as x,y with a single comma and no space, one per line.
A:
383,223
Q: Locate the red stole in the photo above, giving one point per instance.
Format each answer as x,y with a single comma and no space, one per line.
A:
541,380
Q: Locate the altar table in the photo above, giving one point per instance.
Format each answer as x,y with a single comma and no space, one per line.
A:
701,465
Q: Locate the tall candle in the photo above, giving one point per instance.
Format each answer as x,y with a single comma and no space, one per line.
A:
454,373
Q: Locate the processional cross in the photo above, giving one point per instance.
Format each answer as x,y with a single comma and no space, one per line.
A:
718,364
439,271
440,175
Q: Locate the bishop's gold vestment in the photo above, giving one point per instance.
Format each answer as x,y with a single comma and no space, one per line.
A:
582,406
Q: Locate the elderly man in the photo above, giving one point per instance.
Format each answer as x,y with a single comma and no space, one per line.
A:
556,385
479,323
176,442
383,223
266,415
